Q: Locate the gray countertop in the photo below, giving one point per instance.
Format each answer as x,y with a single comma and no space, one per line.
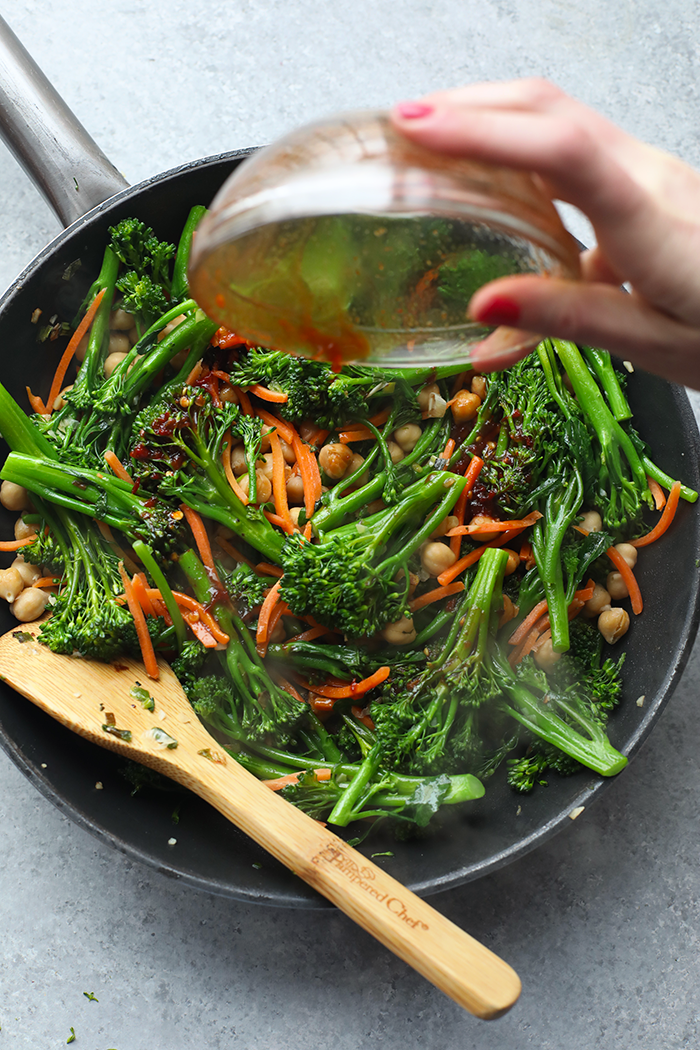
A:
602,922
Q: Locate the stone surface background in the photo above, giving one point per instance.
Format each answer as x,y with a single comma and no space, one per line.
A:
602,923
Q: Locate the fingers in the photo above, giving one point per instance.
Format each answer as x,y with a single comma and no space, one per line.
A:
597,268
596,314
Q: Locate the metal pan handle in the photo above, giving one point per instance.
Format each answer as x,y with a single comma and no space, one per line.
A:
53,147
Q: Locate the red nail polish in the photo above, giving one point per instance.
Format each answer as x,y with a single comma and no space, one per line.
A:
414,110
499,311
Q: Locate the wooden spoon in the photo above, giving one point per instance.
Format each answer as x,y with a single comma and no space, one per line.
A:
94,700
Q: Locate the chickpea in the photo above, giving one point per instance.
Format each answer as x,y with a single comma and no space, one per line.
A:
545,656
483,521
616,586
376,505
599,600
431,402
450,522
239,463
229,394
478,386
111,362
119,343
81,348
408,436
14,497
295,489
591,521
59,400
265,465
512,563
11,583
278,632
29,573
120,320
465,406
294,514
224,532
395,451
29,605
355,464
334,460
307,429
288,452
400,633
25,529
613,623
413,580
263,486
436,557
170,326
134,335
628,552
177,361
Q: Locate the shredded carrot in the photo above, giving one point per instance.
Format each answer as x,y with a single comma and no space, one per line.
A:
448,449
531,642
268,395
311,634
346,437
232,551
264,568
541,640
435,595
629,578
289,688
193,606
280,522
279,485
112,461
667,516
246,407
658,494
293,778
361,716
496,526
530,620
201,539
47,581
470,559
200,631
15,545
317,437
69,352
194,375
471,474
37,404
340,692
310,474
525,550
228,469
141,594
263,631
458,383
285,430
144,638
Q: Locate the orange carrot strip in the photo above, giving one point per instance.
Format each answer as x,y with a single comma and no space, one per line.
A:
530,642
194,375
293,778
285,430
112,461
658,494
448,449
275,519
332,692
232,551
264,568
435,595
193,606
628,577
268,395
271,599
246,407
228,469
141,594
525,550
289,688
69,352
279,485
14,545
471,474
308,531
318,437
310,474
667,516
311,634
47,581
358,713
201,539
530,620
200,631
496,526
357,434
37,404
145,644
470,559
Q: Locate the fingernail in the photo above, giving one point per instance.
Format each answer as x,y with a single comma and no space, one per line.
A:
414,110
499,311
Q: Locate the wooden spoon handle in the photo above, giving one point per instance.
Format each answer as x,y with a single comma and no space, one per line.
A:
443,953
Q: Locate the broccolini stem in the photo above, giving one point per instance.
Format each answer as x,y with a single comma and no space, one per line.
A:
600,362
343,811
18,430
688,494
146,555
180,288
561,507
90,372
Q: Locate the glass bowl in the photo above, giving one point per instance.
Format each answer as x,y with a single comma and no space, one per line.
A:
343,241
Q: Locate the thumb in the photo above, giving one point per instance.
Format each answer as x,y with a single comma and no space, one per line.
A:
596,314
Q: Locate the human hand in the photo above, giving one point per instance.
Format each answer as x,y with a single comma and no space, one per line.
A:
644,206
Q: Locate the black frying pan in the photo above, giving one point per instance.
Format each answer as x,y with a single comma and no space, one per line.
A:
210,854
